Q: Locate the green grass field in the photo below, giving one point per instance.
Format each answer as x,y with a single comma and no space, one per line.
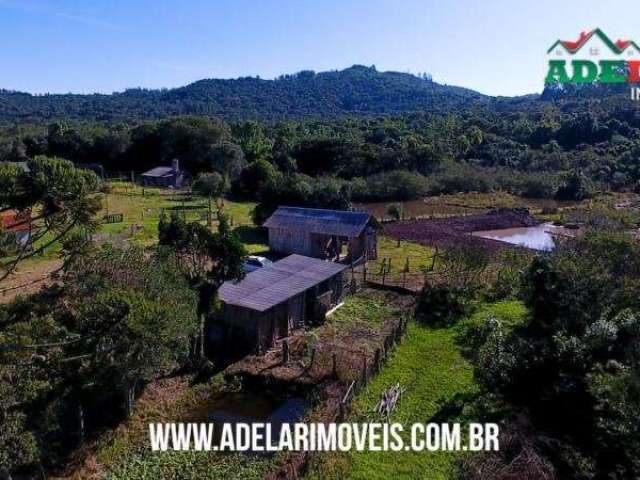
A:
430,365
419,257
142,208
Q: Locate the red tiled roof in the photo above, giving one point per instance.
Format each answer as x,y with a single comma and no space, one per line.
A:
15,221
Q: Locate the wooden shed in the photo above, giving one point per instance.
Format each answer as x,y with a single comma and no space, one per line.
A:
271,302
164,176
336,235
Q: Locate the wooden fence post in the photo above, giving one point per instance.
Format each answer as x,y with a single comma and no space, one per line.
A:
334,366
313,356
404,273
353,279
364,370
378,360
285,351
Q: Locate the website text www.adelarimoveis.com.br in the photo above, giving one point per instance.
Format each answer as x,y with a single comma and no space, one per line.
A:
264,437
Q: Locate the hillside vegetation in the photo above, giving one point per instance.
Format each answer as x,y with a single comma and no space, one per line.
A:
356,90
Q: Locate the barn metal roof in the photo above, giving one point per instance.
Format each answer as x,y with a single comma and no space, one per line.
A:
315,220
159,172
269,286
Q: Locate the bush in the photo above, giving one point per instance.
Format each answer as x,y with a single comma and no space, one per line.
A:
441,305
255,178
538,186
463,178
576,186
399,185
395,211
574,364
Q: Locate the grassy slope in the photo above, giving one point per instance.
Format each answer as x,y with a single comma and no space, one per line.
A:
429,364
431,368
144,210
419,256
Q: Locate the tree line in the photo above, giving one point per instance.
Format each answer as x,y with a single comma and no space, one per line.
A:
546,152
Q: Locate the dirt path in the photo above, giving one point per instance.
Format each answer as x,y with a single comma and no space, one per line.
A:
27,278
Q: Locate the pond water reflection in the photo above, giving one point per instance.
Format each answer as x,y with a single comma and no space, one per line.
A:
249,407
540,237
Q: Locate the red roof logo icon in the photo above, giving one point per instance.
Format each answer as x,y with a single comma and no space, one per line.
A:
573,46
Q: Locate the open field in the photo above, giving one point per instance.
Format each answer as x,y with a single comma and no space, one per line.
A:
430,365
397,253
142,207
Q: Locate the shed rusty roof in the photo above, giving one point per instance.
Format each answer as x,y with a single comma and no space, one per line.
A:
269,286
315,220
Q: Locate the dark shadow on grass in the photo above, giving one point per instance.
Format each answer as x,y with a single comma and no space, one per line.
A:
252,234
452,409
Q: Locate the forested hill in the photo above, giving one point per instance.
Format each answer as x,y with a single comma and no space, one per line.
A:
356,90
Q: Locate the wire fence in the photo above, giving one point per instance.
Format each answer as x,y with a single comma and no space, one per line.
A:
411,273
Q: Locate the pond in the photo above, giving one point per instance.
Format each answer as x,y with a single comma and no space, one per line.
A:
540,237
249,407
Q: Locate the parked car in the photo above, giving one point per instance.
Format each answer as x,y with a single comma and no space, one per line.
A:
254,262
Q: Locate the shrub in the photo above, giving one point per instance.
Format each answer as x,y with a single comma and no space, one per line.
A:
399,185
463,178
574,364
576,186
538,186
255,177
441,305
394,211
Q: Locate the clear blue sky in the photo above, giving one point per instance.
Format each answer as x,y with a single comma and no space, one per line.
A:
495,47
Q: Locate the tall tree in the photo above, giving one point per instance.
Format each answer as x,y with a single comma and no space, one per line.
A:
211,185
207,259
51,200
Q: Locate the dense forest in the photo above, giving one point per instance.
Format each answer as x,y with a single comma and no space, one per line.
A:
360,134
356,90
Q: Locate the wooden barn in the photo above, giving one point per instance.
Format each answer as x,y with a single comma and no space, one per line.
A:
335,235
271,302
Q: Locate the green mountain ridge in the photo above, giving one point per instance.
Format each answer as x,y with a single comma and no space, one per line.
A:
354,91
357,90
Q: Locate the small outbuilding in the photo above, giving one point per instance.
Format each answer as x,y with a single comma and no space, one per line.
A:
336,235
271,302
164,176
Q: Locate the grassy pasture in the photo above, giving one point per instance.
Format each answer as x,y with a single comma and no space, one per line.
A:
430,365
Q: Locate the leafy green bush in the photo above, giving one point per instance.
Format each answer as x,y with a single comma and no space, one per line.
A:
394,185
441,305
574,365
